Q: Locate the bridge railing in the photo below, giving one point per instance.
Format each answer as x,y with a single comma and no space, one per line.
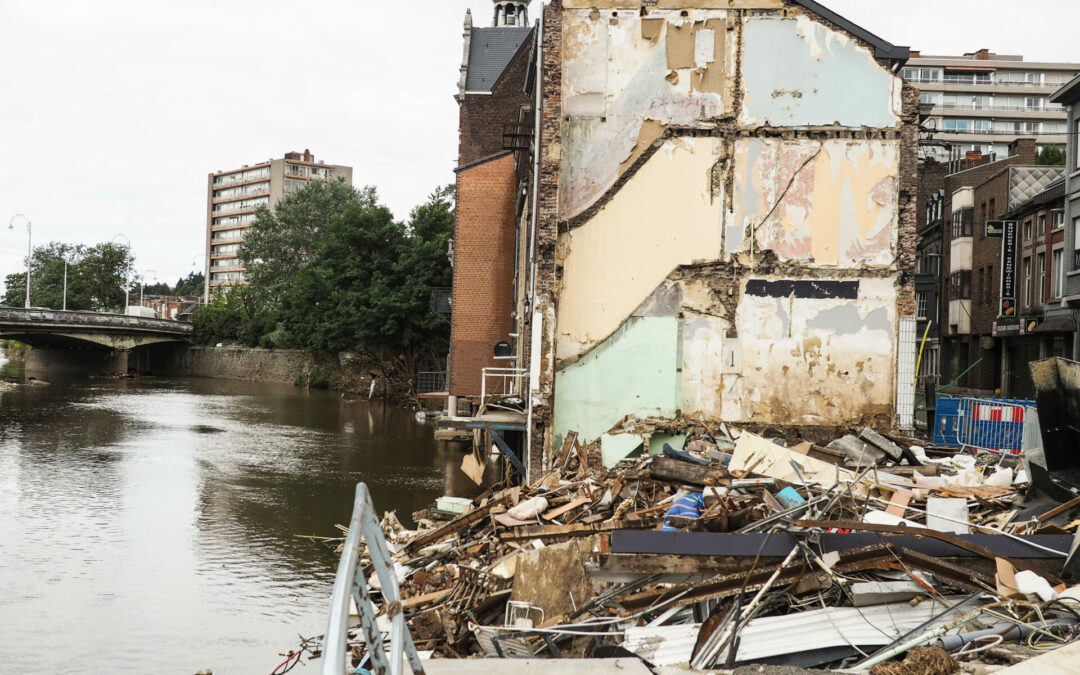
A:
104,319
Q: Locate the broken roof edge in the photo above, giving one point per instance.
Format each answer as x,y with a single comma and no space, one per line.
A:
483,160
883,49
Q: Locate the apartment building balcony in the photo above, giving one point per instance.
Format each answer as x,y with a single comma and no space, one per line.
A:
992,111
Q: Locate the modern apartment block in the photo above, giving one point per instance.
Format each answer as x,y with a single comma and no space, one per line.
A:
232,198
984,101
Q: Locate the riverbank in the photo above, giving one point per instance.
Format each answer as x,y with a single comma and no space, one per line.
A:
344,372
14,350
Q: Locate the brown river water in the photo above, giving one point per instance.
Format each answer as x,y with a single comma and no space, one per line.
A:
150,525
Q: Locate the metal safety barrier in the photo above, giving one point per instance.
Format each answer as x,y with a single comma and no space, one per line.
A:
997,426
350,583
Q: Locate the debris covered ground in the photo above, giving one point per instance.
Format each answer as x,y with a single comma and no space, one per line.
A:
871,553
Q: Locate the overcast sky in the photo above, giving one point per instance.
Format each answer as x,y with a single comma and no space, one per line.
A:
112,112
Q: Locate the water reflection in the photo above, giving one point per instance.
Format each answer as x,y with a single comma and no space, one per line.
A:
154,521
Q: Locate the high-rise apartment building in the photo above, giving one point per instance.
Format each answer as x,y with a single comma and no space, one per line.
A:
233,196
985,101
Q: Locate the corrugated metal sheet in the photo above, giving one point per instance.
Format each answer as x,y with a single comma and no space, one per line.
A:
662,645
833,627
802,632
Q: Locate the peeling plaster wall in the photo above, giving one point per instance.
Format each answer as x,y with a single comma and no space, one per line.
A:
827,202
633,373
625,78
663,217
817,361
799,72
734,218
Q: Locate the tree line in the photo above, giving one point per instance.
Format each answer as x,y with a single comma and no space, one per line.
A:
329,269
96,277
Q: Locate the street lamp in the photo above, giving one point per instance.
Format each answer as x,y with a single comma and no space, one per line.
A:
29,250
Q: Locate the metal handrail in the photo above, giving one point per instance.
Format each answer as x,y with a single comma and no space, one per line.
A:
350,583
505,375
32,315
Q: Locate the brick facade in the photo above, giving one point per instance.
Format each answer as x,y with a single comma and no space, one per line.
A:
481,116
961,351
483,294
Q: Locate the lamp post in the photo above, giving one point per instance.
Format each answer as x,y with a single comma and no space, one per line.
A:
29,250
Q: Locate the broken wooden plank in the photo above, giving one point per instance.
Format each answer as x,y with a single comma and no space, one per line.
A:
575,530
678,471
555,513
454,525
567,446
1057,510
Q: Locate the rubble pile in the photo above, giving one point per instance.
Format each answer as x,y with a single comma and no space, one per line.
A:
870,553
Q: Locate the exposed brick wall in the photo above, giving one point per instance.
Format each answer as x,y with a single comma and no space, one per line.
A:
909,200
931,179
483,294
963,351
547,230
481,116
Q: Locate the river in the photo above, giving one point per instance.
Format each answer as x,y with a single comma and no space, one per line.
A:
150,525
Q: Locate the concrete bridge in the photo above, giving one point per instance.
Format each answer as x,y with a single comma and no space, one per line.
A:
97,340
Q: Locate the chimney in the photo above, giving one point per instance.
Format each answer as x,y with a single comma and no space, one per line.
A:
307,156
914,53
973,159
983,55
1024,148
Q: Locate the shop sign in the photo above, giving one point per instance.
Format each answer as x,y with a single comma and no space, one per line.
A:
1008,269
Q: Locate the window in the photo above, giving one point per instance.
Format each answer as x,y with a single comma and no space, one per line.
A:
993,208
956,125
990,285
1027,230
1040,280
960,285
1057,268
962,222
980,290
929,99
920,305
1059,220
1041,231
1026,273
1076,145
1076,244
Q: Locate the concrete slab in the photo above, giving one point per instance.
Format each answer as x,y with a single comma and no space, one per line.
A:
1058,662
537,666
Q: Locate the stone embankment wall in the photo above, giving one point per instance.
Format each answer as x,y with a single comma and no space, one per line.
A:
291,366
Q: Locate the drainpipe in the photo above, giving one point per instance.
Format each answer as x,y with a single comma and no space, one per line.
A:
537,112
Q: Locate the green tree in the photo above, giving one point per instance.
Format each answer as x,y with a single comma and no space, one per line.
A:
279,243
234,316
368,284
193,284
95,277
1050,155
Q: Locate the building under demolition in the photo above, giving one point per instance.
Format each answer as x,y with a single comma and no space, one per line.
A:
685,209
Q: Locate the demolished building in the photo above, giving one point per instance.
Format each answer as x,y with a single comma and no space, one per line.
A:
715,218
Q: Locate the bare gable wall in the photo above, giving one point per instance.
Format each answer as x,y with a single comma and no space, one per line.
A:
731,234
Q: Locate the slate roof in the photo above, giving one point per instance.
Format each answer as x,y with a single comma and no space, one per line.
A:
490,52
